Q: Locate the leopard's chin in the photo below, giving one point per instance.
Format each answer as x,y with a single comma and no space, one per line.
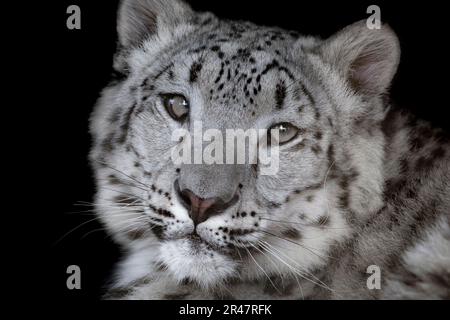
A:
192,259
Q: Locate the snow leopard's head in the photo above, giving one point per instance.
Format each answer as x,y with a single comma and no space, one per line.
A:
208,223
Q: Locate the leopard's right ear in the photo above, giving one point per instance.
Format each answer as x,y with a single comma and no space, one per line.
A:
140,19
367,59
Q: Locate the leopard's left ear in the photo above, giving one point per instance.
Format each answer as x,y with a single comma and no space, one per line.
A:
367,58
140,19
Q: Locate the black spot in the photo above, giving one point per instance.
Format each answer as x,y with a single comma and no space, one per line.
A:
175,296
318,135
112,179
316,149
288,72
115,115
317,115
291,234
195,71
125,126
239,232
344,197
136,234
118,293
270,66
157,229
323,221
280,95
307,94
330,153
274,205
107,144
117,76
207,21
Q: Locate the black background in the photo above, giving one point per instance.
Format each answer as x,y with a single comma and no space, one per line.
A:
74,65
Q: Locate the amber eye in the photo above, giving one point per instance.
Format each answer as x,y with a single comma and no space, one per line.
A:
286,132
176,104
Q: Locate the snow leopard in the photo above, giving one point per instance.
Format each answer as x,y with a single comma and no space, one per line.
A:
362,189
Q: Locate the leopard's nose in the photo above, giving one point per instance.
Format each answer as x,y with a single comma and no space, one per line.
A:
201,209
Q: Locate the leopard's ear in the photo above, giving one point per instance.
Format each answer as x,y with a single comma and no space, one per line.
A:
139,19
367,58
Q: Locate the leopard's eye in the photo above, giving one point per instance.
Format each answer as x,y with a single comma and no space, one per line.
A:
177,105
286,132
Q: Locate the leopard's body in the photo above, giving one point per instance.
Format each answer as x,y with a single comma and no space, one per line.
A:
361,184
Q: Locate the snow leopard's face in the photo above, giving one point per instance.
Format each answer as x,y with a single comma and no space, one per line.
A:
212,222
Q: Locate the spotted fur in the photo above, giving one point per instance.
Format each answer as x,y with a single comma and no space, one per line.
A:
363,183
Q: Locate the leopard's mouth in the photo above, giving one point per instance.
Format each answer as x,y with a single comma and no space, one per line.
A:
197,243
193,258
232,251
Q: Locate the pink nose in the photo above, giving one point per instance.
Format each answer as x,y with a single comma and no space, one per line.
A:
198,207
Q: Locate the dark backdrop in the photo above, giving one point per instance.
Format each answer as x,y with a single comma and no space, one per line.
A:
76,64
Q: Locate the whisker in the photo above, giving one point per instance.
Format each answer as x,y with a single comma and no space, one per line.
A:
310,224
299,272
140,188
257,264
299,244
72,230
124,182
265,255
121,172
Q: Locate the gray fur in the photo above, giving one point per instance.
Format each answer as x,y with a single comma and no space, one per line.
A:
363,184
